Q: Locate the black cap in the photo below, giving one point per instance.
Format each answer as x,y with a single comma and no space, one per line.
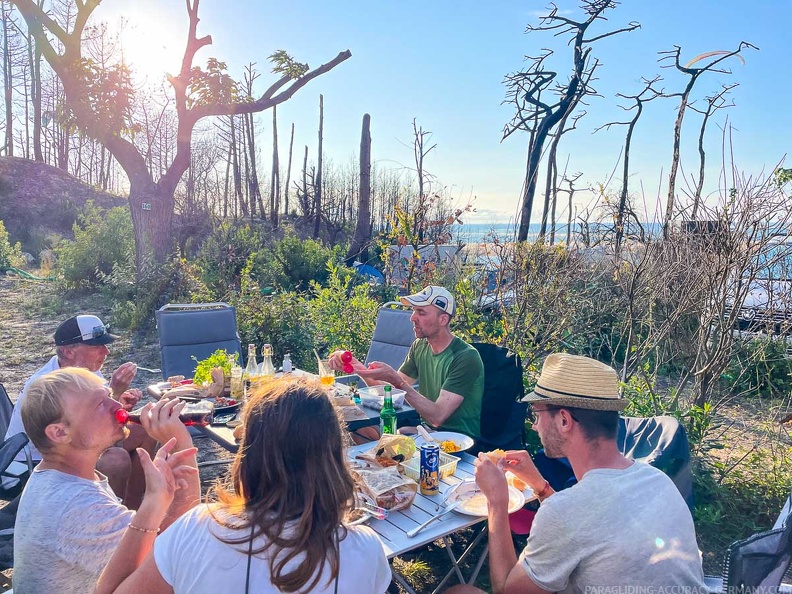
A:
84,329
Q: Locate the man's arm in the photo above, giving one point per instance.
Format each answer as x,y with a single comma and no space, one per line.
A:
122,378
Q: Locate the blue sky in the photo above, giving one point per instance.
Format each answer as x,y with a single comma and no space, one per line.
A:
443,63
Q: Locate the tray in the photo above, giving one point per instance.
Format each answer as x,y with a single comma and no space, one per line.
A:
374,397
412,468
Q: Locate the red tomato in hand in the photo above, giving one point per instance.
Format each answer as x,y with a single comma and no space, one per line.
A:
121,416
346,358
348,368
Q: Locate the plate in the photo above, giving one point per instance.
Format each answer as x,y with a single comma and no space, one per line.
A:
463,441
475,502
528,493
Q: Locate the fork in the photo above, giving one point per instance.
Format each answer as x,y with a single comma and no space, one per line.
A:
141,368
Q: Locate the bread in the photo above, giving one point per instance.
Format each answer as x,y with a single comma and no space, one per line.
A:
495,455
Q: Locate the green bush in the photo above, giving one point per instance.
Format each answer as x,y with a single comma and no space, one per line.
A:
760,367
281,319
291,264
102,241
343,313
10,255
224,255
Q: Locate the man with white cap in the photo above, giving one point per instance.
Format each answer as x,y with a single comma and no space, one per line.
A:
624,524
82,341
449,371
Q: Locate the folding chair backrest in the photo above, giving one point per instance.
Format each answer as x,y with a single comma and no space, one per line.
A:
393,335
662,442
194,330
759,562
6,410
502,415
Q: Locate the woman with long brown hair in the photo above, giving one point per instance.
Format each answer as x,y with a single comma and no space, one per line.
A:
277,525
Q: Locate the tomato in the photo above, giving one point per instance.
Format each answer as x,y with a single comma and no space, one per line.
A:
346,358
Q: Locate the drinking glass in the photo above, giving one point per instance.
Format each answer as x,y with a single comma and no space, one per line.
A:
326,373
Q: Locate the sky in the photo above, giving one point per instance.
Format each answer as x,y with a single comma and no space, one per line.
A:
443,63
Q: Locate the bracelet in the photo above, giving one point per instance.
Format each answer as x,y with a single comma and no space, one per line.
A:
131,525
541,494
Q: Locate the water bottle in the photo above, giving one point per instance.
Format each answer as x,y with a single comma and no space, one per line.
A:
251,370
266,370
287,364
388,413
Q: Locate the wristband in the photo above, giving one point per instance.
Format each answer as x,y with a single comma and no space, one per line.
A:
131,525
541,494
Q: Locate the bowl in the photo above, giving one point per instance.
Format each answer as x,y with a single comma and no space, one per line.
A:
374,397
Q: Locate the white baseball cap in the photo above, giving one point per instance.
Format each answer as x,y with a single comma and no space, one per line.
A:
432,295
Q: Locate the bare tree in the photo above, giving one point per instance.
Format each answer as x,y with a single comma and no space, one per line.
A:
539,117
318,179
275,182
362,236
693,75
198,94
288,174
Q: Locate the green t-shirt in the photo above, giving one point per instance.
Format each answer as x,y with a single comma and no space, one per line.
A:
457,369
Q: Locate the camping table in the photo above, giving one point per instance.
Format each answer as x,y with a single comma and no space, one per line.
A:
393,530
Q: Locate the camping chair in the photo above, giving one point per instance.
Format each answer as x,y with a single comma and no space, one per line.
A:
190,332
502,413
393,335
757,563
13,474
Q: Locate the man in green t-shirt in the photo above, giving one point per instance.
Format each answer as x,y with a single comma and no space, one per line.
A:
449,371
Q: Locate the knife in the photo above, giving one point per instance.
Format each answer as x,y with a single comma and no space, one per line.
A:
450,508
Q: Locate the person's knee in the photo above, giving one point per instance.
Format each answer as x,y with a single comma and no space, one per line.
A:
115,463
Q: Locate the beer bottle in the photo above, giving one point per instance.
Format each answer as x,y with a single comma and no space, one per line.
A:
388,413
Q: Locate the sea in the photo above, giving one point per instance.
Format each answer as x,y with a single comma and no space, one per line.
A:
470,233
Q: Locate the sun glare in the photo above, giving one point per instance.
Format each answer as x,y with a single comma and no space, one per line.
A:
150,49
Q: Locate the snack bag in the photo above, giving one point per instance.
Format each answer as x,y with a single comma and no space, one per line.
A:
387,487
392,450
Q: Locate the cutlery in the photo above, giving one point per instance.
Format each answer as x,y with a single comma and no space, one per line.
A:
380,513
141,368
425,434
449,509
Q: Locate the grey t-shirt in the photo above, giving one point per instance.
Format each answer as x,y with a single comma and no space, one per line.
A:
66,530
614,528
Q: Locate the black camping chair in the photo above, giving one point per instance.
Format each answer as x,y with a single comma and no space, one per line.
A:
659,441
502,413
757,563
393,335
13,474
194,330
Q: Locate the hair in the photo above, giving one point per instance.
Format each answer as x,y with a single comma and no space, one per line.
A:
290,469
596,424
43,403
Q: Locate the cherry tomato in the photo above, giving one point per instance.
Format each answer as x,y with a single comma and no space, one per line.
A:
121,416
348,368
346,357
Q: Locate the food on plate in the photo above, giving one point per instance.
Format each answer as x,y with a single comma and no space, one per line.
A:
449,446
392,450
516,482
175,380
220,358
221,401
181,392
495,455
355,514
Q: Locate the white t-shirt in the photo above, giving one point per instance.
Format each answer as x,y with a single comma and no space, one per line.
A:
66,530
193,561
15,424
614,528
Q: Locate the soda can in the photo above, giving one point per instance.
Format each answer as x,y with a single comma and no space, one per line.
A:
430,469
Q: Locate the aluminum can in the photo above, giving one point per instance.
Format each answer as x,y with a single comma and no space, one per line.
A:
430,469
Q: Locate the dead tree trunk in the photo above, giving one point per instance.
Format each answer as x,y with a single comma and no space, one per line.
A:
362,236
288,175
275,182
318,178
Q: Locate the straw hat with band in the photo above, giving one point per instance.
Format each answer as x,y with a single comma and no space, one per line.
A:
577,382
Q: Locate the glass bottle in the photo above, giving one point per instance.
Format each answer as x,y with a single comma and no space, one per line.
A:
266,370
251,370
287,364
388,413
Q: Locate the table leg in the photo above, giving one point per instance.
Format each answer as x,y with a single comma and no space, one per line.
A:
401,581
455,562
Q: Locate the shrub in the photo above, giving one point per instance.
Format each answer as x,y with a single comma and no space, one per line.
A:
10,255
102,241
291,264
343,313
224,255
760,367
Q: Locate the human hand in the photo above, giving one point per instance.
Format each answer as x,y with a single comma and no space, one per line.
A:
161,420
492,482
337,363
166,473
130,398
522,465
383,372
122,378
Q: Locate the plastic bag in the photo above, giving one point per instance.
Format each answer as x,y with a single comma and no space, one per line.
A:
387,487
392,450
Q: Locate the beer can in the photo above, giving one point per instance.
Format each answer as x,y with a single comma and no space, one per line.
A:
430,469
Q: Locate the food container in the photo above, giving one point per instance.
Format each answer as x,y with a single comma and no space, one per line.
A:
412,468
374,397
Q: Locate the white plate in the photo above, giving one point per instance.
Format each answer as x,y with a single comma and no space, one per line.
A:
528,493
463,441
367,515
475,502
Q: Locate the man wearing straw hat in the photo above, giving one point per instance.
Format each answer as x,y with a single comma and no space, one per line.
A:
624,524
